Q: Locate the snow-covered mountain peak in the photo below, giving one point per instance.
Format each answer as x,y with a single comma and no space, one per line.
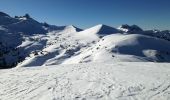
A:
130,28
106,30
5,19
73,28
99,26
101,30
95,33
2,14
25,17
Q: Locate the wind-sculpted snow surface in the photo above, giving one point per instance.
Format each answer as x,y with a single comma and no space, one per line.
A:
93,81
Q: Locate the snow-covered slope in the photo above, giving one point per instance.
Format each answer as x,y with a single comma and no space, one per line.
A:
119,47
97,45
93,81
26,42
21,36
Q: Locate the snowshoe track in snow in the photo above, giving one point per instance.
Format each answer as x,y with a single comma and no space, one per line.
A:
119,81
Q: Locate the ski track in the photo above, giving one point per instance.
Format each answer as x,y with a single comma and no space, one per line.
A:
119,81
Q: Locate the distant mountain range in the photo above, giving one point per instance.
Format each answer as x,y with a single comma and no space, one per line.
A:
25,42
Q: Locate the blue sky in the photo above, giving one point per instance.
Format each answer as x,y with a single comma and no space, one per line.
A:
148,14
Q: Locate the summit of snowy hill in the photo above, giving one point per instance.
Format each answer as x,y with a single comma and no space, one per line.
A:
101,29
75,28
69,28
96,32
72,28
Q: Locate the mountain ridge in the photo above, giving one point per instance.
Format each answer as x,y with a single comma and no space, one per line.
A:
27,42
